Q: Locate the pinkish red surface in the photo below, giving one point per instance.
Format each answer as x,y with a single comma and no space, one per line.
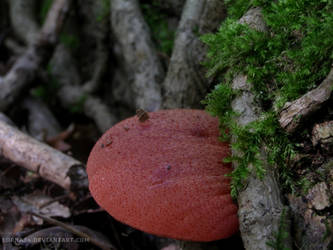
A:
165,176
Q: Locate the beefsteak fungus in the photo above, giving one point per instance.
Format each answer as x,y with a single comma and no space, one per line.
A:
165,175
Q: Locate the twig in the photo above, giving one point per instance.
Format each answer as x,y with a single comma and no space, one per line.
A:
38,157
295,113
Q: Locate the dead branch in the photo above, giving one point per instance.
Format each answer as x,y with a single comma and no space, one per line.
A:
144,68
22,14
185,84
260,204
38,157
25,68
295,113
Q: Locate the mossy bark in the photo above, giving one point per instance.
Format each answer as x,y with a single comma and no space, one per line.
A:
260,202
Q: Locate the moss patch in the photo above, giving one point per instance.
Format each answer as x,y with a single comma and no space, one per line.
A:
281,65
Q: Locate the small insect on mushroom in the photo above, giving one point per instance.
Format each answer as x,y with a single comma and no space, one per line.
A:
142,115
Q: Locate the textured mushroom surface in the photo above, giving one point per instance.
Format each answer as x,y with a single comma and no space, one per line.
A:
166,176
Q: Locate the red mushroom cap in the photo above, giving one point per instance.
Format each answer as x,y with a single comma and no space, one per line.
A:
166,176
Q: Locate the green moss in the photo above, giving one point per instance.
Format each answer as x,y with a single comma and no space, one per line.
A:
157,22
281,65
304,185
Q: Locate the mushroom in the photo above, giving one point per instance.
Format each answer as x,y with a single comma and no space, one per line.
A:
165,175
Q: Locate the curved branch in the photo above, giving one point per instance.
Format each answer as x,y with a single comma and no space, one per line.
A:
139,53
294,113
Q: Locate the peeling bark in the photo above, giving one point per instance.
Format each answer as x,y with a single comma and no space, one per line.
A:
295,113
38,157
185,84
23,71
260,203
143,65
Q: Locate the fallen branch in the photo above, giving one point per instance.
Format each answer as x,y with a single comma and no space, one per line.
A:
38,157
185,84
260,203
295,113
138,51
23,71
